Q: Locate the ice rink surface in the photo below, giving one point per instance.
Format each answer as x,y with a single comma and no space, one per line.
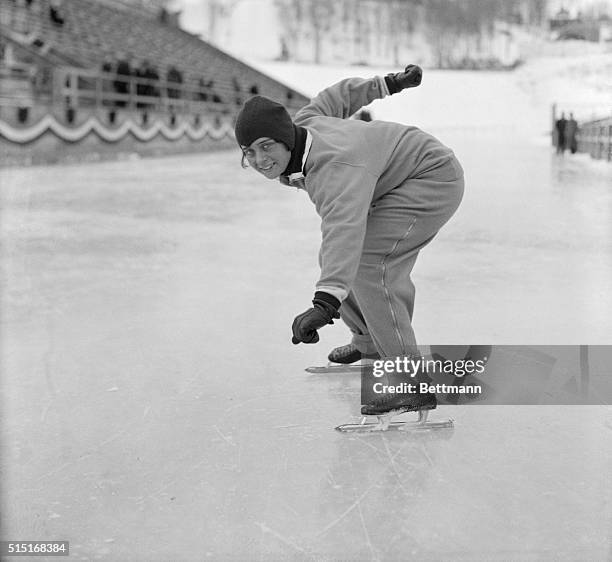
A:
154,409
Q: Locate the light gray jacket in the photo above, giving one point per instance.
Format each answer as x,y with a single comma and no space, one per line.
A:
351,164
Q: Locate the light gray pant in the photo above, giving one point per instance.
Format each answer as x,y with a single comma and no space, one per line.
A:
378,310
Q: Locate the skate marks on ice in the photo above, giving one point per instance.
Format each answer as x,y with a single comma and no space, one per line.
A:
361,495
377,485
247,466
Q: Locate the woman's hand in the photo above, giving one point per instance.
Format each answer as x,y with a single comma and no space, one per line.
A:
324,310
410,78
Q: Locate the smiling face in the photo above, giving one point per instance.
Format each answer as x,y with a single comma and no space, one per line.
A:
267,156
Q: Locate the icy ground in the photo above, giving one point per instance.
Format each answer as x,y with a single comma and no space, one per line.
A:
154,409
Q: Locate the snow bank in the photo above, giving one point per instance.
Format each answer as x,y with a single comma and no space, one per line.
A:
484,103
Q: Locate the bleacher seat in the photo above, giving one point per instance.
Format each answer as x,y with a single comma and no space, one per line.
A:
93,31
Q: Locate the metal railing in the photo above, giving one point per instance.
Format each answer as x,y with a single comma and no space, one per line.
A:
595,138
76,87
593,131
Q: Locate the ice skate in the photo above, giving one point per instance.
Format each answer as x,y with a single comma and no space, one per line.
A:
344,359
390,406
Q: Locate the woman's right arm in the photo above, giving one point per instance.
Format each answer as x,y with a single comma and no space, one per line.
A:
351,94
344,98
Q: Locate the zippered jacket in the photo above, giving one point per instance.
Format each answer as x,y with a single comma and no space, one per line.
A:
352,164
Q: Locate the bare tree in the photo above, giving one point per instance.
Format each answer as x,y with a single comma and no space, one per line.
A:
319,15
450,24
401,17
454,29
291,13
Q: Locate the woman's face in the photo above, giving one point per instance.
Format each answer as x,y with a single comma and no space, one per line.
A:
269,157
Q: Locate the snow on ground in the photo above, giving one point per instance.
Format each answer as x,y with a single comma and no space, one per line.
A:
576,80
517,102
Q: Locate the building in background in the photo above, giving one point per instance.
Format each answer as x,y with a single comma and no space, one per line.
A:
100,78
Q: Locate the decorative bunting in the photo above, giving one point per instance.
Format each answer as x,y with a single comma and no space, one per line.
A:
75,134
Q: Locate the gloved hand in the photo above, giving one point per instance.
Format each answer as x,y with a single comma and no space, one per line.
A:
324,310
410,78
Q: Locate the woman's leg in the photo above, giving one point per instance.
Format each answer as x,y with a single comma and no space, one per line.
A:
351,315
401,224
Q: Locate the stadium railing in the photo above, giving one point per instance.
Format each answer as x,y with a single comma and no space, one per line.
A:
595,138
78,87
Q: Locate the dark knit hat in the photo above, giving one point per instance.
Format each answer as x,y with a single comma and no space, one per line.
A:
262,117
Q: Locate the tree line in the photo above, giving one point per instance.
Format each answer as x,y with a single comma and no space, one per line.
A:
315,23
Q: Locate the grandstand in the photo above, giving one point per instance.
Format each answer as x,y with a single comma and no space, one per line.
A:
95,79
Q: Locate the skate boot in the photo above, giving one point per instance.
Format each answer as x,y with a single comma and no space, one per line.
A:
342,359
387,406
396,404
346,354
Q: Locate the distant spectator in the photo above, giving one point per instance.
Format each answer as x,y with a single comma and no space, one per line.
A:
254,90
23,114
284,54
174,76
214,96
202,93
145,86
123,70
70,114
571,128
237,89
163,16
56,12
139,71
152,74
107,68
107,65
560,128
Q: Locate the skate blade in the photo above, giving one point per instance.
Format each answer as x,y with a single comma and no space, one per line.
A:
384,424
338,368
394,426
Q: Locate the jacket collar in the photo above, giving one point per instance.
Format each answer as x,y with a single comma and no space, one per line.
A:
295,169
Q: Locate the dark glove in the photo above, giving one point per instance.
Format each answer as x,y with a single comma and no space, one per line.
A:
410,78
324,310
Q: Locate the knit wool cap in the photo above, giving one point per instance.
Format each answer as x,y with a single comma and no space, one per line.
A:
262,117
